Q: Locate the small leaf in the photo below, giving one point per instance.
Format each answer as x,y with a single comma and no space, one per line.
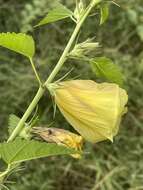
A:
58,13
20,43
12,123
105,68
24,150
104,11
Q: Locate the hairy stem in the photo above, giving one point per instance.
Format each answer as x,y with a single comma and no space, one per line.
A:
60,63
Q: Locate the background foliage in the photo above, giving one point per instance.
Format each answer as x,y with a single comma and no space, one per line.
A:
108,166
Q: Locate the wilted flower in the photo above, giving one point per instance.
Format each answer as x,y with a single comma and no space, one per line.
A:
93,109
60,137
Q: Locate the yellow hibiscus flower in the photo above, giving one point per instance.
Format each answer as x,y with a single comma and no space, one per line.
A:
93,109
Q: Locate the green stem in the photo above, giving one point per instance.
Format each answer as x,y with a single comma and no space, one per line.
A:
60,63
41,89
73,37
3,174
31,107
35,71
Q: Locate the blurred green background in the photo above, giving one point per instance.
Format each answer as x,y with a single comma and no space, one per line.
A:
105,166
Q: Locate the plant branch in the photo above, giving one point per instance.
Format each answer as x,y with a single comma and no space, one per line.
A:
3,174
60,63
31,107
73,37
41,89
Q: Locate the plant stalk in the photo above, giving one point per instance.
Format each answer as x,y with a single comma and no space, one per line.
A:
72,39
60,63
31,107
3,174
42,88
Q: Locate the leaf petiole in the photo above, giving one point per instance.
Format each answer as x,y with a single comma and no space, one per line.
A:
35,71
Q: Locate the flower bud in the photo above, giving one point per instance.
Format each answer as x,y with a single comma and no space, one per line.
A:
60,137
93,109
85,48
80,7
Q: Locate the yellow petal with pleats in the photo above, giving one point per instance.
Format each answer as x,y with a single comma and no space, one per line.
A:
93,109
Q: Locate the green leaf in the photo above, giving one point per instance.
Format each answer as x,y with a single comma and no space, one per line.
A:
20,43
104,11
24,150
12,123
58,13
105,68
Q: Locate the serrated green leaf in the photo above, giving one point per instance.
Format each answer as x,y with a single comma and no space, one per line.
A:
58,13
20,43
104,11
23,150
12,123
105,68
